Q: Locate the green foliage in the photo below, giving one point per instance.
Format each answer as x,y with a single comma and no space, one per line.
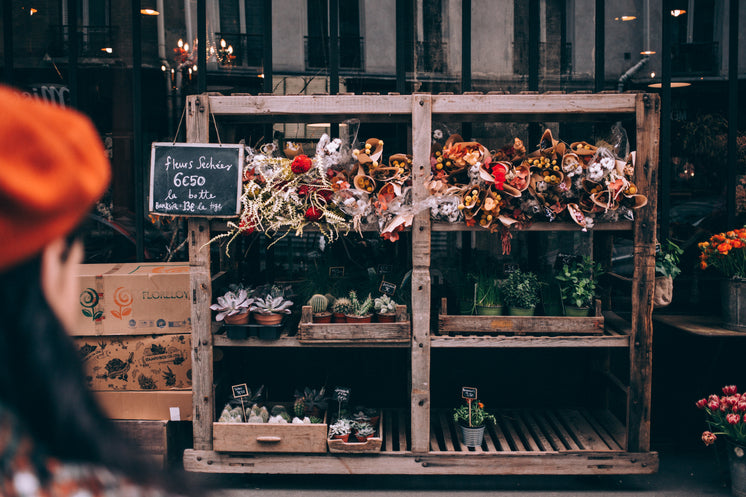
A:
488,290
667,259
578,281
521,290
359,308
478,415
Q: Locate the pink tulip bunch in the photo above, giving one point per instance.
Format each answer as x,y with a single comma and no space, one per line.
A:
725,415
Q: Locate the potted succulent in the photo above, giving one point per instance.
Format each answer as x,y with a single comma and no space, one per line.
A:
385,309
341,430
269,310
666,269
724,416
487,297
360,311
310,402
233,307
363,431
320,308
341,307
520,292
578,280
472,421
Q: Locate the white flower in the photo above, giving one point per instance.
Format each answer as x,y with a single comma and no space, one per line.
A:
437,134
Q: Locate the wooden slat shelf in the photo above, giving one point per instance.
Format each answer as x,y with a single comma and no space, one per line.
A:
292,341
524,441
608,339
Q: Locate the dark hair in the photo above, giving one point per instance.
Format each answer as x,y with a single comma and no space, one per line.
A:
42,383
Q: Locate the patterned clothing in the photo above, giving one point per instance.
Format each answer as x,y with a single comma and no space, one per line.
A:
19,476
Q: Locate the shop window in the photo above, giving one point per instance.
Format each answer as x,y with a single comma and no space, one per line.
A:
94,29
351,44
695,50
242,29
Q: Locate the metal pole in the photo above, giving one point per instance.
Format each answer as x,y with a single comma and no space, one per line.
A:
8,68
466,128
733,29
665,144
600,60
401,46
137,163
334,57
267,47
201,46
73,44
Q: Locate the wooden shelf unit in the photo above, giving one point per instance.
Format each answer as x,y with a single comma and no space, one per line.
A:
551,441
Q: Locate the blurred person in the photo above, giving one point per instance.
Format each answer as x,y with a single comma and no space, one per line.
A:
54,439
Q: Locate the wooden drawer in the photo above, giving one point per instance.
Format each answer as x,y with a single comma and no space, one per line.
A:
265,437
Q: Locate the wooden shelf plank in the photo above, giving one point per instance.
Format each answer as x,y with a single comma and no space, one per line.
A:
606,340
705,326
621,103
559,226
292,341
308,106
515,463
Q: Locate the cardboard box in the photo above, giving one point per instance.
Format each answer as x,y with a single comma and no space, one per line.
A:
159,362
131,299
174,406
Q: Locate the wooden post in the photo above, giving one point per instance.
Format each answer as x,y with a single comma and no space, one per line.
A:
420,379
647,114
197,125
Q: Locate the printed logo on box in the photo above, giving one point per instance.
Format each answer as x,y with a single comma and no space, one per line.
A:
123,300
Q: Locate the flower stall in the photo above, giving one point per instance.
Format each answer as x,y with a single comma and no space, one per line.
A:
442,183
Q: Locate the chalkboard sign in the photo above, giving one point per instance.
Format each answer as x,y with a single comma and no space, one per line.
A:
385,268
387,288
195,179
240,390
337,272
468,393
568,259
510,267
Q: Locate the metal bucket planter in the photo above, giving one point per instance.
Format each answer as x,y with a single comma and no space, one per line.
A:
471,436
737,464
734,304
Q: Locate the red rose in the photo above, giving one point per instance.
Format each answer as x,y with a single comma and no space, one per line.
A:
300,164
313,214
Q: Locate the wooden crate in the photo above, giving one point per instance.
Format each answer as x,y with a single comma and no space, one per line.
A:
160,442
518,325
372,445
399,331
265,437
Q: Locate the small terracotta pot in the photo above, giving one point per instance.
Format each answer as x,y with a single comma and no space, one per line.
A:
322,317
267,319
344,438
338,317
240,318
386,318
359,319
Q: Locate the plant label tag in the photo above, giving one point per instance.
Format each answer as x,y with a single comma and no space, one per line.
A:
468,393
387,288
337,272
510,267
565,259
240,391
385,268
342,394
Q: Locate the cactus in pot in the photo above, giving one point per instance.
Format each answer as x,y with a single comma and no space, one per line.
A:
360,311
340,308
320,308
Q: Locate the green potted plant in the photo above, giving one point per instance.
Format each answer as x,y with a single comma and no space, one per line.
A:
320,308
487,298
520,292
724,416
578,280
233,307
666,269
471,421
360,311
340,308
363,431
385,309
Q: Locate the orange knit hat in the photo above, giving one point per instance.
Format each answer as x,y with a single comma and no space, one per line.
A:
52,169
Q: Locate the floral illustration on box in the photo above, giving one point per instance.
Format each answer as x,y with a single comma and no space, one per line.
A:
89,299
123,299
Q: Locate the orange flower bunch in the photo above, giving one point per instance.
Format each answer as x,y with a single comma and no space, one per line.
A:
726,252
